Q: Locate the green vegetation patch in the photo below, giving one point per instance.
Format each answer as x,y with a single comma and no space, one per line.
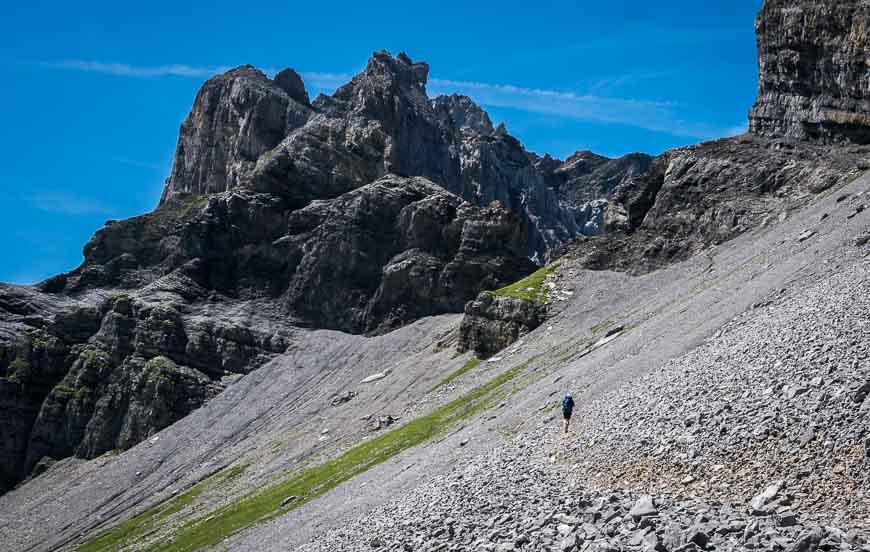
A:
531,287
64,390
94,356
160,368
469,366
312,482
18,369
139,526
192,202
39,339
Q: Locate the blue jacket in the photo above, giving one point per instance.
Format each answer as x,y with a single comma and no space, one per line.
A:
567,405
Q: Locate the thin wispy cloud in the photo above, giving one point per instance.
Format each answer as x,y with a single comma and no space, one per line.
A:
126,70
317,79
654,115
609,84
65,203
659,116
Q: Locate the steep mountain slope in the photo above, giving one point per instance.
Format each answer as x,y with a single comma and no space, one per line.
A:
755,439
290,228
665,314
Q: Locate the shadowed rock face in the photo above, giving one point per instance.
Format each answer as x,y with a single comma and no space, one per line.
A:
396,250
813,71
492,322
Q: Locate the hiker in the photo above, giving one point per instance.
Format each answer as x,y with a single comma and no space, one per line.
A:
567,409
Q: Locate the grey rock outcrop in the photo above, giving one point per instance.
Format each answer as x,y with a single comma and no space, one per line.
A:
492,322
103,371
813,71
700,196
587,177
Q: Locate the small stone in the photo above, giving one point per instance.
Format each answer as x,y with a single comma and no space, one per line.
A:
807,541
793,391
762,499
861,393
375,377
343,398
806,437
643,507
787,519
806,235
698,537
566,519
751,530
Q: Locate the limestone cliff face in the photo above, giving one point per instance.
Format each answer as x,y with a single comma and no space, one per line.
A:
396,250
236,117
814,62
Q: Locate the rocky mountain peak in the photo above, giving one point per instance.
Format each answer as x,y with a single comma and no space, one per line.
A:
387,76
583,161
463,113
290,82
813,71
236,117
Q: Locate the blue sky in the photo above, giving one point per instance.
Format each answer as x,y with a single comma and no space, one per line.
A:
94,92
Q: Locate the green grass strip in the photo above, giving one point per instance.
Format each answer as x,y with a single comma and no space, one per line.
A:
529,288
317,480
145,522
469,366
